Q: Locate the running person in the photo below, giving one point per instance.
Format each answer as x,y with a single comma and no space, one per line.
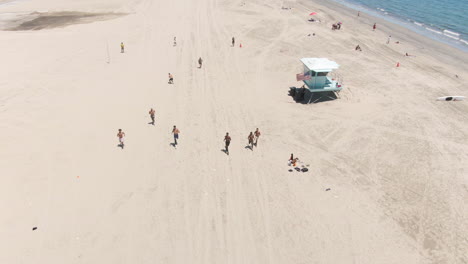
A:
121,136
257,135
251,140
176,132
227,139
151,113
171,78
200,62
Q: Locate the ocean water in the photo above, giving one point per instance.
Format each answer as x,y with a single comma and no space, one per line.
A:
443,20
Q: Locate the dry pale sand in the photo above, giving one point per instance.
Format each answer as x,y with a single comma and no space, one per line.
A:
395,160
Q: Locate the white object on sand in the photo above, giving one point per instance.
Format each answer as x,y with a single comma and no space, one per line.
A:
451,98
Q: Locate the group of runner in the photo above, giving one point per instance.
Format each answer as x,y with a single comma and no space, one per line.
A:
252,137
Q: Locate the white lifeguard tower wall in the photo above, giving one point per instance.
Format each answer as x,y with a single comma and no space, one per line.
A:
318,69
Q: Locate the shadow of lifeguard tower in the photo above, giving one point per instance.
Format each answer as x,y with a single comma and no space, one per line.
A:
319,83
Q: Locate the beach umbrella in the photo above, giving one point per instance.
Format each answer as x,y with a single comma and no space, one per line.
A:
313,13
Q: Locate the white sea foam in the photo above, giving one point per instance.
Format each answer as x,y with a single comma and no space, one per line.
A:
452,37
418,24
451,33
433,30
463,41
11,2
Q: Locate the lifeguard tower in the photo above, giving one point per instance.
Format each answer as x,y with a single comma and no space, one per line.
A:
317,79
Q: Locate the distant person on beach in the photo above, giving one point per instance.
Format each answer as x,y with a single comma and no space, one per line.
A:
122,47
171,78
176,132
292,161
251,140
358,48
374,26
200,62
257,135
233,41
121,136
358,13
227,140
175,42
151,113
388,39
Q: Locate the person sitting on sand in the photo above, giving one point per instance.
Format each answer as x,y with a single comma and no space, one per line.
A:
292,160
358,48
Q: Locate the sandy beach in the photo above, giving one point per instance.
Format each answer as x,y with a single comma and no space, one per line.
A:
388,164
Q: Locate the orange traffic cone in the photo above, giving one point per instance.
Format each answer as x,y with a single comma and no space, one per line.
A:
240,45
398,64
